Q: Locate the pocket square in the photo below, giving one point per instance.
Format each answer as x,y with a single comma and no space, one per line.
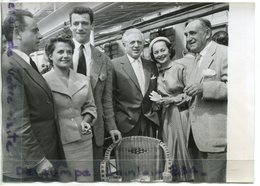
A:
208,73
153,77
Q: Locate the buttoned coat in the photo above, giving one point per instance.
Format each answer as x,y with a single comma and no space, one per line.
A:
208,112
29,126
72,103
101,82
129,101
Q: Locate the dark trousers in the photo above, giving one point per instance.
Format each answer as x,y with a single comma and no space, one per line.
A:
208,167
97,158
144,127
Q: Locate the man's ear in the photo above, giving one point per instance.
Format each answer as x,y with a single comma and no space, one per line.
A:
16,34
50,57
208,32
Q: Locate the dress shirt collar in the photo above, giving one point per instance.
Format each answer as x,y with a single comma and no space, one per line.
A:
77,45
205,49
132,60
24,56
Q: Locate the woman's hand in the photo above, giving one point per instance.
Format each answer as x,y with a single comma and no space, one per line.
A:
85,127
155,97
174,99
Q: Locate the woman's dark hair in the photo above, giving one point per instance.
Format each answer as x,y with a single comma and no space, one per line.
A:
50,47
168,45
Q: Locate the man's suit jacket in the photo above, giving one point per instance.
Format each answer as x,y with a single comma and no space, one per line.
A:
208,112
188,61
101,82
129,102
28,114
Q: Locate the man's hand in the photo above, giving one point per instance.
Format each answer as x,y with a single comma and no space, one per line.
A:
45,169
116,135
193,90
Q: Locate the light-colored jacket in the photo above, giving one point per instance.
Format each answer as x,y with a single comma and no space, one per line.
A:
72,103
208,112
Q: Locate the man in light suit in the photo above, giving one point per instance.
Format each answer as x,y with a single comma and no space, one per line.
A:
30,138
91,62
208,109
134,78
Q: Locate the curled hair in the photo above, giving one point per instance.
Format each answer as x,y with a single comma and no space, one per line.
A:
168,45
15,20
83,10
50,46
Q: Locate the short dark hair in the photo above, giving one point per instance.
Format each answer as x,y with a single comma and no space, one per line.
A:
169,46
15,19
50,46
204,22
221,37
83,10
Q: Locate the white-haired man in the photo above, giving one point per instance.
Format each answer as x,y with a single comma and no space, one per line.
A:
134,78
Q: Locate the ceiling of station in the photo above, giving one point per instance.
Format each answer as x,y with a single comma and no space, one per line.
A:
46,9
122,12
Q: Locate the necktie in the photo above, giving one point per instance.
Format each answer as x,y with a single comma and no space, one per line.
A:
140,76
33,65
82,68
197,60
197,64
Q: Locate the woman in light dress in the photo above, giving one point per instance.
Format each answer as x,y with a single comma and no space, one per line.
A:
171,82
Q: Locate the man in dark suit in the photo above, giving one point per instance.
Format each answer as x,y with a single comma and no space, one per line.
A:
134,78
30,138
207,85
91,62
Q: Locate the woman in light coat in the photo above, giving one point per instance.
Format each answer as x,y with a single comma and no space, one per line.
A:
76,110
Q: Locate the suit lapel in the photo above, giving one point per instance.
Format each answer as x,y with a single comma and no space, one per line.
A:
95,67
127,67
206,61
56,84
35,76
75,84
196,75
147,73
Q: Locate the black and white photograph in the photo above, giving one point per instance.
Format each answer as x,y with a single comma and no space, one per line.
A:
123,92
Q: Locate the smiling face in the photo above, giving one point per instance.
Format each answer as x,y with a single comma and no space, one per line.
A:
197,36
81,27
62,55
134,44
161,52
